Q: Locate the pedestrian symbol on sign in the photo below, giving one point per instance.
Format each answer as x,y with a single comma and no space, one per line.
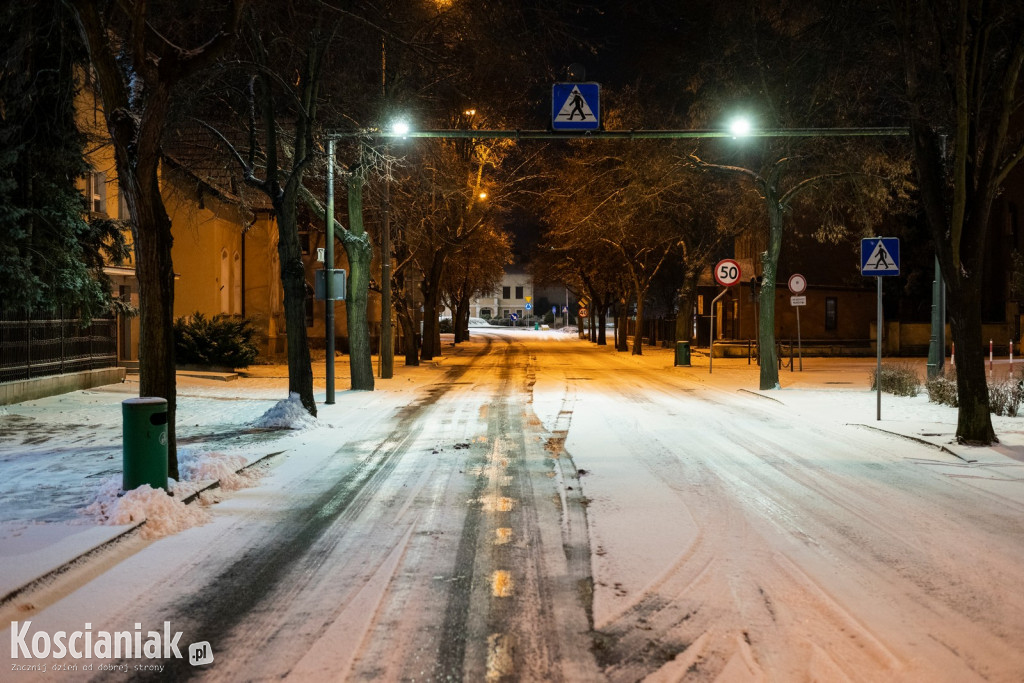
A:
880,256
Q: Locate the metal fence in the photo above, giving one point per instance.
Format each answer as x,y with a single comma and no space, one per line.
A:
52,343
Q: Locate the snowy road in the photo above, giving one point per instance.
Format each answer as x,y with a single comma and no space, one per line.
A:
547,510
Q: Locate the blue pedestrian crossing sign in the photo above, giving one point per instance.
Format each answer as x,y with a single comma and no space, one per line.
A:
575,106
880,256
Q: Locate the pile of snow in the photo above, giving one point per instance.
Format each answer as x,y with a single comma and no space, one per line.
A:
198,466
164,515
287,414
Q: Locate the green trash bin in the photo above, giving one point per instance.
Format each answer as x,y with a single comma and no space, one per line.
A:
683,353
536,326
144,432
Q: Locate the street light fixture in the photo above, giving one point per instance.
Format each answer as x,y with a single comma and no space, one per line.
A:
740,127
400,128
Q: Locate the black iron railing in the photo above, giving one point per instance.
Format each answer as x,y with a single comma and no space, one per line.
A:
38,344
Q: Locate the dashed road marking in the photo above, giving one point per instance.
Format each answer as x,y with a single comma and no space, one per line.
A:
501,584
500,663
503,536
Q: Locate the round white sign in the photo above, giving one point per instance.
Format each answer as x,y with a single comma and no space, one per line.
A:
727,272
797,283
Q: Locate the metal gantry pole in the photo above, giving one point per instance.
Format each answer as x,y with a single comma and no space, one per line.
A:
387,345
329,275
878,348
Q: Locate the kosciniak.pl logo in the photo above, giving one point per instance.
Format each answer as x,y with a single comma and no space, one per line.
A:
89,644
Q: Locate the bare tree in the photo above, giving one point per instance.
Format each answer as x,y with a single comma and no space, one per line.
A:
138,62
962,62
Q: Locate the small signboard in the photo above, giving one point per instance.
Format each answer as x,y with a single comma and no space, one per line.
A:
337,280
798,301
575,106
529,307
584,313
880,256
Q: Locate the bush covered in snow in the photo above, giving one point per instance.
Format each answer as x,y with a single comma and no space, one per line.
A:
222,340
1004,395
942,389
900,379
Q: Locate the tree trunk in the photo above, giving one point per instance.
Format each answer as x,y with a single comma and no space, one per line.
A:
638,336
409,347
431,297
622,327
602,319
461,320
770,266
974,420
687,298
360,253
293,284
155,273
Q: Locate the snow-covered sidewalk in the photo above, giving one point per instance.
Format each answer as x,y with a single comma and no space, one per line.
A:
61,460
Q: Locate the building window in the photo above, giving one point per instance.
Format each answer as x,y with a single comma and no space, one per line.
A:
506,292
236,283
485,313
831,313
519,292
304,241
225,282
96,191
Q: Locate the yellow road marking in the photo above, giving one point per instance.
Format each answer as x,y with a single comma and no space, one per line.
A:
501,584
502,536
500,648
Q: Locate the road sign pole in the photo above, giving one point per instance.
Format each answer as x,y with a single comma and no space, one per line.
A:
799,343
711,331
878,348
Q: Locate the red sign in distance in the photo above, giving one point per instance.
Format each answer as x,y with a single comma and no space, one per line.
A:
797,283
727,272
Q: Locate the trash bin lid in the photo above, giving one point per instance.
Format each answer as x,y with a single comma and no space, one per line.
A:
145,401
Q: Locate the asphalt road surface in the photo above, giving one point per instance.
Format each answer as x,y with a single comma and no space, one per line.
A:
551,511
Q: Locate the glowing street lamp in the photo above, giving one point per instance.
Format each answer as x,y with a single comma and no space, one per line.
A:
400,128
740,127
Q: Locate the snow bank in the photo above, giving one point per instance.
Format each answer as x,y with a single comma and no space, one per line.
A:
164,514
287,414
197,466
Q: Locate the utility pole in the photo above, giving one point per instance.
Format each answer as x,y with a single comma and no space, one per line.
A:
937,340
329,275
387,346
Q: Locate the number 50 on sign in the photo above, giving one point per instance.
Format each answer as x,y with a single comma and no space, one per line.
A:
727,272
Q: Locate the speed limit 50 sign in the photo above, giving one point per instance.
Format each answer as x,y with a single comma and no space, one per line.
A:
727,272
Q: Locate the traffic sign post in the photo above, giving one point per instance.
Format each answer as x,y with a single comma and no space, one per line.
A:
798,285
879,256
727,273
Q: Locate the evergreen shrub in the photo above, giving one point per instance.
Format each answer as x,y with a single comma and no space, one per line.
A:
222,340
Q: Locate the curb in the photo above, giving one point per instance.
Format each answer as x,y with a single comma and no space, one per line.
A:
919,440
83,557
